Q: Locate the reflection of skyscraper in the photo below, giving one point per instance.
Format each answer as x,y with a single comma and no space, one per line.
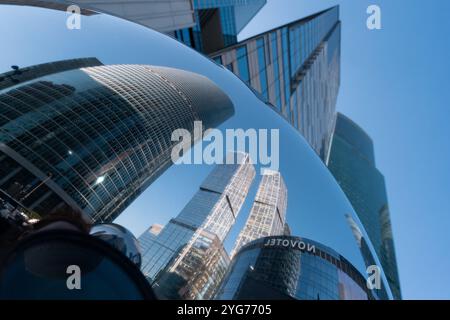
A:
268,214
352,162
213,209
196,273
95,137
286,267
295,67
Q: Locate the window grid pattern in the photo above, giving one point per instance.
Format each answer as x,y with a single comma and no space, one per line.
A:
212,209
301,79
321,274
268,214
101,134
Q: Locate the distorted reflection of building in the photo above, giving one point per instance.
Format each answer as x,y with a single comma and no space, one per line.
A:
296,69
352,163
213,209
286,267
92,136
366,253
268,214
197,272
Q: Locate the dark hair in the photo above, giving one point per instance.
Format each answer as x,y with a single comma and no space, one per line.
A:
66,214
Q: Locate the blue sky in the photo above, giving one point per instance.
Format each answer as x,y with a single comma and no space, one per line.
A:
395,84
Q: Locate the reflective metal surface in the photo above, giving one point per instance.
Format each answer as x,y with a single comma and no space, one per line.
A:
120,238
317,208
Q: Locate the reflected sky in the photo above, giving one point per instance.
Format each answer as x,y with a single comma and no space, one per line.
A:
316,206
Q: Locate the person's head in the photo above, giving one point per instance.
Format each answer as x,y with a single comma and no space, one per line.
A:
44,259
63,218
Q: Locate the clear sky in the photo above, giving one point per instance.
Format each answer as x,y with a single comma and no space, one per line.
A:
395,84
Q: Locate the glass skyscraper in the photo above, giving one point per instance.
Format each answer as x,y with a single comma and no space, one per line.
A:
206,218
92,136
268,214
217,23
296,69
352,162
161,15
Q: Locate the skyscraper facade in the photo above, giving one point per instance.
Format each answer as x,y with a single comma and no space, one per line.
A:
217,23
95,137
213,209
352,162
197,272
161,15
295,68
268,214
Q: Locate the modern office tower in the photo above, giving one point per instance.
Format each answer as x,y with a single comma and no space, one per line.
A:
268,214
296,68
213,209
352,162
217,23
95,137
286,267
161,15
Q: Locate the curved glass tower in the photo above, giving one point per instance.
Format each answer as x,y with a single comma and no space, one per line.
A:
352,162
95,137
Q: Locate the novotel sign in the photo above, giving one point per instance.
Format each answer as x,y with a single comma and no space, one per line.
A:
290,243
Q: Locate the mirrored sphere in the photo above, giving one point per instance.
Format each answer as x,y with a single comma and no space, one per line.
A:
95,116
